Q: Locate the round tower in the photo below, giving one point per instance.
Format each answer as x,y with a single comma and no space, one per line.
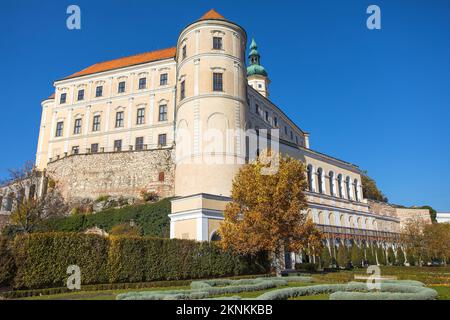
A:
210,122
257,76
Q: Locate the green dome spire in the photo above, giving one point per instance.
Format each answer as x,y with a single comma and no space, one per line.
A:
255,68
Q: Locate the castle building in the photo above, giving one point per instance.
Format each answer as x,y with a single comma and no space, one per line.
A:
146,122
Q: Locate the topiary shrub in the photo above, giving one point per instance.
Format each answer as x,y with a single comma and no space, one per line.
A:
391,256
400,259
356,256
325,258
7,264
381,255
342,257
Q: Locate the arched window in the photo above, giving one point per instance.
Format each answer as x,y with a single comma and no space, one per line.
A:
348,187
321,218
342,220
310,178
340,186
215,236
359,223
356,183
332,183
331,220
320,180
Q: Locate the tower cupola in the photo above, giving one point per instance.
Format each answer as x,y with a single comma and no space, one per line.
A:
257,76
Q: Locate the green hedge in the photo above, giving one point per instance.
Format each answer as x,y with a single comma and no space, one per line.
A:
7,265
42,259
152,219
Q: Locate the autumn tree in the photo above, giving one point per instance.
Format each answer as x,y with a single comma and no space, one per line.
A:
437,239
413,237
30,208
268,211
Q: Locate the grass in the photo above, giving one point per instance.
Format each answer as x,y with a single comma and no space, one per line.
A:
437,278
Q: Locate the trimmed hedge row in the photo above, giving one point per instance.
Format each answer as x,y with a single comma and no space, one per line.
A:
7,266
152,219
42,259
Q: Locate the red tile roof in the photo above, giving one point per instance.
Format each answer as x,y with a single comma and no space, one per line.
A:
126,62
212,14
51,97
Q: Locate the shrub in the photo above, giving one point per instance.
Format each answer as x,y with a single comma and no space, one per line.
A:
342,257
149,196
42,258
391,256
325,258
7,265
152,219
400,259
102,198
306,267
125,229
356,256
410,257
381,255
370,256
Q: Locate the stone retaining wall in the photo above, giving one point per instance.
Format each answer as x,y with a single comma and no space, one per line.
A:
114,173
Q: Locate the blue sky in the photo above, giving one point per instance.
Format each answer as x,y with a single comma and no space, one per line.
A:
379,99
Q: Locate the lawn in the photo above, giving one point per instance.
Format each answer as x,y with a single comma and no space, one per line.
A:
437,278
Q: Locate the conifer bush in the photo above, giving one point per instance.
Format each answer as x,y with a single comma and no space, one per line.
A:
391,256
400,259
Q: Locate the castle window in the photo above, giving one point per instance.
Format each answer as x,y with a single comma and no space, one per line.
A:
121,88
310,178
182,90
142,83
96,123
292,136
140,116
267,115
77,126
161,176
98,91
59,129
117,145
162,140
94,147
296,139
139,143
275,122
256,108
320,180
163,112
340,186
163,79
63,98
80,95
217,43
75,150
119,119
184,53
217,82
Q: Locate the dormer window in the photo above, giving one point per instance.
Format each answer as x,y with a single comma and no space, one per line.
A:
217,43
